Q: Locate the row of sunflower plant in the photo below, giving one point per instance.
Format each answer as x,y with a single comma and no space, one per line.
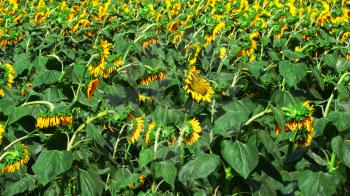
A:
196,97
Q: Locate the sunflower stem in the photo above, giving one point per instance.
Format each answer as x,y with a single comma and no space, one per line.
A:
70,144
331,167
256,116
332,95
4,155
48,104
156,142
80,85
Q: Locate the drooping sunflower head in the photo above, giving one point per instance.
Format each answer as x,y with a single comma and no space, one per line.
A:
191,131
151,133
198,87
7,75
91,88
15,159
2,130
136,128
140,182
50,119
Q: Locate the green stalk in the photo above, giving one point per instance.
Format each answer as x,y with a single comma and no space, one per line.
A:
332,95
70,144
47,103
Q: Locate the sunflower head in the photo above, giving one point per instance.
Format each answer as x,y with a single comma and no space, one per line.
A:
191,131
91,88
2,130
151,133
15,159
136,128
51,119
7,75
197,86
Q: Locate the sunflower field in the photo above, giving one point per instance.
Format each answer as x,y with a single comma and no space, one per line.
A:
165,97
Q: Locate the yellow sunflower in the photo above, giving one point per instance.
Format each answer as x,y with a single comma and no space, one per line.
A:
137,131
197,86
153,77
191,131
141,182
2,93
148,135
53,121
7,75
91,88
2,130
15,159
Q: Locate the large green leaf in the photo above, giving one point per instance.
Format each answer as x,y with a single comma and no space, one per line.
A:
27,183
90,183
200,167
168,172
21,63
236,114
46,77
283,98
342,149
292,73
242,157
318,183
340,120
19,112
146,156
121,179
52,163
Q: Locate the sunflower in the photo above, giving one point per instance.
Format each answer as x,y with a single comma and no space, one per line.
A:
197,86
299,119
2,130
51,120
150,78
141,182
7,75
145,98
222,53
150,41
15,159
191,131
149,136
137,130
39,17
91,88
2,93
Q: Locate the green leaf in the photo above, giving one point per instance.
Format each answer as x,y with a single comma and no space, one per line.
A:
292,73
46,77
40,62
90,183
342,149
283,98
21,63
293,55
95,133
19,112
318,183
256,67
50,164
340,120
320,125
279,117
54,95
269,144
165,116
168,172
122,178
200,167
333,61
242,157
27,183
236,114
146,156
